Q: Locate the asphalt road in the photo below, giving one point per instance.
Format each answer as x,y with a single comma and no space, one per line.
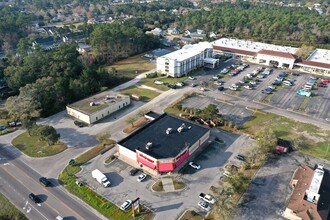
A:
18,180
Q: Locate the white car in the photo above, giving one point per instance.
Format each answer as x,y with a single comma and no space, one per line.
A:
253,83
141,177
194,165
126,205
207,198
248,87
202,89
157,82
204,206
192,78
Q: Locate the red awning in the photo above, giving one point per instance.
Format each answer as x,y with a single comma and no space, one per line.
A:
183,158
146,163
166,167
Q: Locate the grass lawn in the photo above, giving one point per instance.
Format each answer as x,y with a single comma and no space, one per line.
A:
146,95
317,139
100,204
34,147
129,66
304,103
9,211
4,122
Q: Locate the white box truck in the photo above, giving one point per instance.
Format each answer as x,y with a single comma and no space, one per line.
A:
101,178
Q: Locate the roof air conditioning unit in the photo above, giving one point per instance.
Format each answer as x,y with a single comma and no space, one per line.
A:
169,131
148,145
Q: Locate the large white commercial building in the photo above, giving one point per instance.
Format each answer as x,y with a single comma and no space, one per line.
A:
269,54
185,60
94,108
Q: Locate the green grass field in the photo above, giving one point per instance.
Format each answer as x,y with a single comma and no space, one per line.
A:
150,82
145,94
34,147
9,211
132,66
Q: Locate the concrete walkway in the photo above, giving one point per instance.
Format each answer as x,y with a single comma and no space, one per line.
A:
168,184
149,87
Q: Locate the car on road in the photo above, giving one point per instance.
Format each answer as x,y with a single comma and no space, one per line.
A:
78,124
34,198
204,206
44,181
207,198
141,177
126,205
240,157
194,165
133,171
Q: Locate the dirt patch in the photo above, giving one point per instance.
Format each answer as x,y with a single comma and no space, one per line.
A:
308,136
137,124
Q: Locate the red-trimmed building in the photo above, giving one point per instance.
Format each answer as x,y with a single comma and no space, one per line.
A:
163,145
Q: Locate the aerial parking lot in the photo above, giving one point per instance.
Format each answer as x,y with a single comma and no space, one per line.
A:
269,87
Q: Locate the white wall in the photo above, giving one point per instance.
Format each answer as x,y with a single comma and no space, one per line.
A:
78,115
198,143
126,152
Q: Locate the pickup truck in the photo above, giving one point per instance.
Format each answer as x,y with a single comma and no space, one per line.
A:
207,198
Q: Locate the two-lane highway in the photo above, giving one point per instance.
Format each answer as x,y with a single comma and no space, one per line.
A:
17,181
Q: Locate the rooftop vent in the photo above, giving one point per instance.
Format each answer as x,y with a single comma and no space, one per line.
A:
180,129
148,145
169,131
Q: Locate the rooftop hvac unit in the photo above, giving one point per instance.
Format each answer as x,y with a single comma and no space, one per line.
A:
181,127
148,145
169,131
91,103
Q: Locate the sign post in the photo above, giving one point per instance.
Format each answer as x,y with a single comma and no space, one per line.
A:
136,205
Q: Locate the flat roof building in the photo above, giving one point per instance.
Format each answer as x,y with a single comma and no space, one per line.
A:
310,199
94,108
185,60
270,54
163,144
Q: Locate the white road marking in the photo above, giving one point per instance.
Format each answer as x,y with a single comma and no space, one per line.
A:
28,210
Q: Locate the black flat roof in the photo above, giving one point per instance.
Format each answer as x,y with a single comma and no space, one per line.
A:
163,145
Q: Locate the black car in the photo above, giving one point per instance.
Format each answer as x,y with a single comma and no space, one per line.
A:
283,74
240,157
34,198
221,88
276,83
44,181
295,74
133,171
79,124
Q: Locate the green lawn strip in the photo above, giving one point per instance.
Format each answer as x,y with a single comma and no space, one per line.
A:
96,201
9,211
145,94
34,147
170,80
304,104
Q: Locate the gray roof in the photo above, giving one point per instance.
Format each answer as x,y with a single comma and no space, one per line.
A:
163,145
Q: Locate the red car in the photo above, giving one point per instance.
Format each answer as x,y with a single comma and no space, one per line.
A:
325,80
320,85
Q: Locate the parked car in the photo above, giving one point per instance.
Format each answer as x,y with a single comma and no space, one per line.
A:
248,87
79,124
283,74
295,74
240,157
141,177
321,85
44,181
207,198
313,77
204,206
2,127
221,88
253,83
34,198
192,78
133,171
202,89
193,84
325,80
14,123
194,165
126,205
276,83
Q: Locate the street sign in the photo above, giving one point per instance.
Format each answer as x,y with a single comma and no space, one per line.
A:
72,162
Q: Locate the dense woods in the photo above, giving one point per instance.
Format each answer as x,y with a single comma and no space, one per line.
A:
261,22
116,41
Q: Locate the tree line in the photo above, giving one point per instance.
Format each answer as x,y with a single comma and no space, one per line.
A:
260,22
